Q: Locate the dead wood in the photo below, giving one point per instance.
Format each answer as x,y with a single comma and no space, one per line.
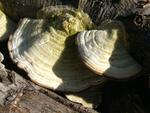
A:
17,95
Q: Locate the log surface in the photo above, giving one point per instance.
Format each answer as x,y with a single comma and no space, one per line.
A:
18,95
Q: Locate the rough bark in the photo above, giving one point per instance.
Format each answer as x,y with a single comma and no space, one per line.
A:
18,95
100,10
17,9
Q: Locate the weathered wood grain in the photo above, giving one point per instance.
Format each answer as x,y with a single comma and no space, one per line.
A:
18,95
100,10
17,9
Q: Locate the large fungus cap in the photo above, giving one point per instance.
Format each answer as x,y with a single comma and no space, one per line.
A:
7,26
104,51
46,50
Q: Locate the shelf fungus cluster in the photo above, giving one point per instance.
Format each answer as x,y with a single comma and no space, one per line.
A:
45,48
64,51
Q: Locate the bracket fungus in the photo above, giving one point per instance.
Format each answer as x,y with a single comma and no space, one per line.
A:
7,26
46,50
105,51
90,97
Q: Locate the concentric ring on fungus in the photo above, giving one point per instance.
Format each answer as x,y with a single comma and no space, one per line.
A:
46,50
104,51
